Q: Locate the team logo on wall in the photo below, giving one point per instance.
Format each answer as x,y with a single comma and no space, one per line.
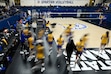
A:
79,26
92,60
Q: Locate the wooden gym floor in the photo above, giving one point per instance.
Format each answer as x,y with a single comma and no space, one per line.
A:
95,32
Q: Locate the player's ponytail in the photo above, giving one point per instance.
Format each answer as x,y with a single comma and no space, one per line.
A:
107,34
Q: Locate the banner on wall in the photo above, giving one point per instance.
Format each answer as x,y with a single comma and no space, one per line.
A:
54,2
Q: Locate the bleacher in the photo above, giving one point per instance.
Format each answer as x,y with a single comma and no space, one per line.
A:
7,51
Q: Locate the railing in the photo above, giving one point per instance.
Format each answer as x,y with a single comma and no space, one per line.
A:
78,15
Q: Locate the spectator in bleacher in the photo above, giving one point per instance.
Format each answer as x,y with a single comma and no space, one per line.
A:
93,1
34,26
6,9
19,26
99,10
4,40
101,17
29,12
105,8
86,4
22,40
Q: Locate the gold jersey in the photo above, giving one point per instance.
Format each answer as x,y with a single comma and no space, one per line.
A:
40,52
79,46
30,41
60,41
104,39
50,37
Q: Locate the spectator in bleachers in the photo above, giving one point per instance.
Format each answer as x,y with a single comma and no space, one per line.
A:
22,40
86,4
19,26
106,8
34,26
4,40
101,17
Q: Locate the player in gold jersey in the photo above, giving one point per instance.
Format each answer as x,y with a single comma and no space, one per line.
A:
30,43
104,41
68,30
50,39
26,32
60,42
84,40
47,24
39,56
80,48
40,52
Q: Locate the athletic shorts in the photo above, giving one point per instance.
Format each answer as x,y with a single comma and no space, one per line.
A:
78,52
59,46
85,49
103,44
50,43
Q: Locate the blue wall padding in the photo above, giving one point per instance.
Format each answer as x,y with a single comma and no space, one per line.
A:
5,23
